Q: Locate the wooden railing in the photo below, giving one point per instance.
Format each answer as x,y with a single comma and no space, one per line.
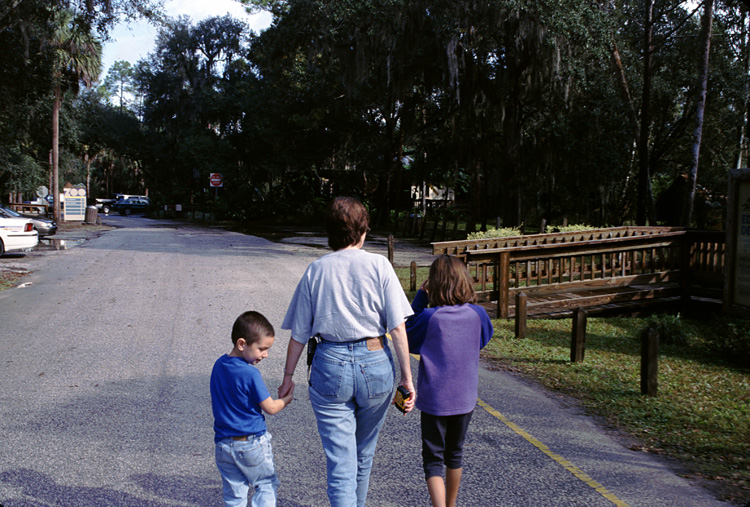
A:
32,209
460,248
660,262
706,263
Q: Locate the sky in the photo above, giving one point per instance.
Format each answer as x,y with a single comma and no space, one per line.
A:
133,41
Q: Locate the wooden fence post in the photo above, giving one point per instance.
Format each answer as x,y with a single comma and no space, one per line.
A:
521,315
686,261
390,249
649,361
503,282
434,227
543,226
578,338
413,277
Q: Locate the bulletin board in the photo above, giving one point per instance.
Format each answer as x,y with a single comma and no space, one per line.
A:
737,276
75,203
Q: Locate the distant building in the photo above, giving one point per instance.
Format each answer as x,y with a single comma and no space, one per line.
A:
425,195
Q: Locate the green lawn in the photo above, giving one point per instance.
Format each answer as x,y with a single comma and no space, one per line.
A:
700,416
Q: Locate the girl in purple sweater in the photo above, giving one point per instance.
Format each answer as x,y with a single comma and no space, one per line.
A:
448,335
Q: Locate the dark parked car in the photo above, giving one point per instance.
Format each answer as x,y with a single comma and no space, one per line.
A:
44,226
131,205
105,205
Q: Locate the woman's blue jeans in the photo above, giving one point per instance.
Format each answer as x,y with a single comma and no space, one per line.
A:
350,390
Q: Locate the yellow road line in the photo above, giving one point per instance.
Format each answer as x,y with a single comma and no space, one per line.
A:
570,467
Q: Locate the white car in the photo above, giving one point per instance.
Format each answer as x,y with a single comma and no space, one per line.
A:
17,234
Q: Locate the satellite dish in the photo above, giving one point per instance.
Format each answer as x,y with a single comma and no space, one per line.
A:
42,191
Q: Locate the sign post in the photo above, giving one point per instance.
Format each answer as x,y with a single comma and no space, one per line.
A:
216,180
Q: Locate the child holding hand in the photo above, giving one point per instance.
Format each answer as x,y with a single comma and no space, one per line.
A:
238,398
448,336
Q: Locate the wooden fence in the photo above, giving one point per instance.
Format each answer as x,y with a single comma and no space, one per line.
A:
460,248
611,265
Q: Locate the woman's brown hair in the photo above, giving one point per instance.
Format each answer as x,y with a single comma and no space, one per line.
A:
346,220
449,282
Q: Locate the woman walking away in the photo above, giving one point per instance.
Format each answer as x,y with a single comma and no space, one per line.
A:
349,299
448,336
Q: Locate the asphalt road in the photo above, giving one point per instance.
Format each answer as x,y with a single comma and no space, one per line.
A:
106,353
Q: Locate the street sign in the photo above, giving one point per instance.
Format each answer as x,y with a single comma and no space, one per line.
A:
216,180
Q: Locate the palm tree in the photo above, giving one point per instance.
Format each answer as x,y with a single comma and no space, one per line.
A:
76,58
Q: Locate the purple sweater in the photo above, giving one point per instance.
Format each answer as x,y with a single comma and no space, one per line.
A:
448,339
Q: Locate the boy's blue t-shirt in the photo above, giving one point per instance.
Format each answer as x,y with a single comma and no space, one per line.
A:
237,389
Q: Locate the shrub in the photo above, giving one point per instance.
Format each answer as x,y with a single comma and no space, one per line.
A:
504,232
731,339
568,228
670,328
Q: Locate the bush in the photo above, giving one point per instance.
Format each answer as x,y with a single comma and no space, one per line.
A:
504,232
568,228
731,339
671,329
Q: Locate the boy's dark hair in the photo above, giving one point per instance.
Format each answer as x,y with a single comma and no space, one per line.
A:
449,282
346,220
252,326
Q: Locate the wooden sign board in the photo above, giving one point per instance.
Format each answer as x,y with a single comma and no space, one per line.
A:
737,276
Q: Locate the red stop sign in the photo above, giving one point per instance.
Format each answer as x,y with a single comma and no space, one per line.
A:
216,180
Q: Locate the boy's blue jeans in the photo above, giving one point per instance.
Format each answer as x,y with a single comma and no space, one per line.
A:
246,463
350,390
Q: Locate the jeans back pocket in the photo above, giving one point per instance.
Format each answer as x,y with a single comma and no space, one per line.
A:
326,375
379,375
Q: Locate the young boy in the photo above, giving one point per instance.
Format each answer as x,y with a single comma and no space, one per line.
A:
238,399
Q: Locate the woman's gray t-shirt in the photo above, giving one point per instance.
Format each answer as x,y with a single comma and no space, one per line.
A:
347,295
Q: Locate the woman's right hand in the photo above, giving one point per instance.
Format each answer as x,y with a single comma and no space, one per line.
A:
293,351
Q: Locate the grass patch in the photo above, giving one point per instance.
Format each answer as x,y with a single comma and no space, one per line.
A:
701,415
404,274
9,278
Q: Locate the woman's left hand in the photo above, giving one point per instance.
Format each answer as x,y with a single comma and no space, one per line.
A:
400,343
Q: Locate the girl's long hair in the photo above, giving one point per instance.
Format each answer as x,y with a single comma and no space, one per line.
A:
449,282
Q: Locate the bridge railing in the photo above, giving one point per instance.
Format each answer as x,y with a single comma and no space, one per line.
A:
659,261
460,248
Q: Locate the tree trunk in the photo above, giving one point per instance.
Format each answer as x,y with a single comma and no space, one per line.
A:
87,161
55,153
645,198
474,197
745,55
708,14
622,83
